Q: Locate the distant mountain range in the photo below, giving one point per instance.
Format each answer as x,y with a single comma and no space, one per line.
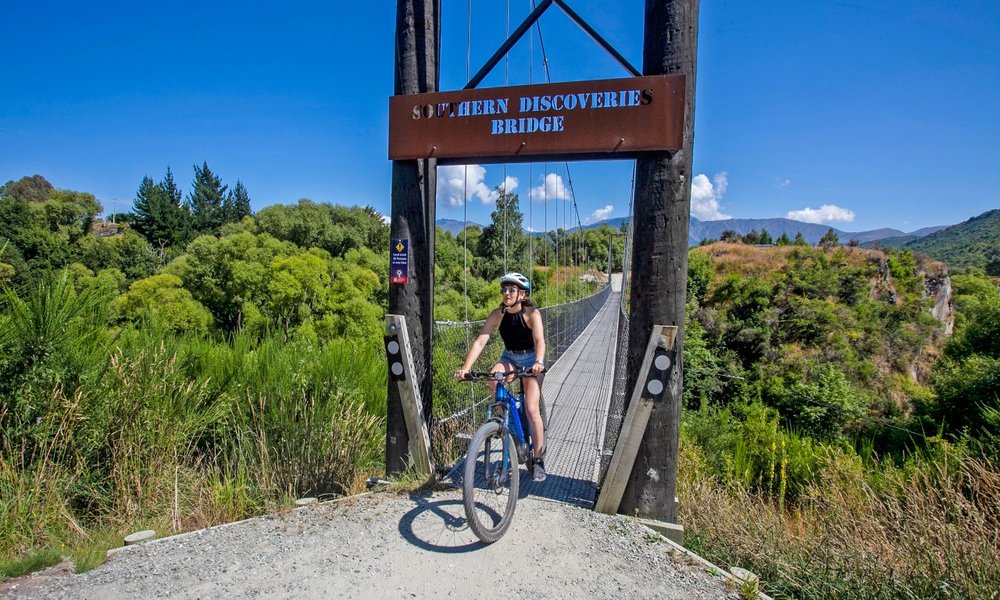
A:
812,232
455,227
700,230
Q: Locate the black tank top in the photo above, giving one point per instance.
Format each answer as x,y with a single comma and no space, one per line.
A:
515,332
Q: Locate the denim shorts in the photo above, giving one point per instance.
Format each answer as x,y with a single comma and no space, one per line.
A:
519,360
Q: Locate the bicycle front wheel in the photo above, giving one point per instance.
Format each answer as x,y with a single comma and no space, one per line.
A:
490,482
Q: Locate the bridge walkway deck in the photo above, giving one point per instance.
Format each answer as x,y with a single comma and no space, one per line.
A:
577,392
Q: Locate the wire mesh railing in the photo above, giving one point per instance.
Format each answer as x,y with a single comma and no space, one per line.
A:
619,401
460,407
619,397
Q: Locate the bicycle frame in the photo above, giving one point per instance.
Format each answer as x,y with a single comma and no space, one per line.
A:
512,405
504,398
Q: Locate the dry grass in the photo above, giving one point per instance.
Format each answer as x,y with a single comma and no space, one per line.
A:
930,533
741,259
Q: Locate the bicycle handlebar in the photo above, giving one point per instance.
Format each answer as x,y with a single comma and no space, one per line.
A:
498,375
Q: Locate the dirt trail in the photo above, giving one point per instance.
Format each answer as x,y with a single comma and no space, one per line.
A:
395,546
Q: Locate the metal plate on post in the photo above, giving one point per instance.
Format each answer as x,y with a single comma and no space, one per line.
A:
657,365
400,361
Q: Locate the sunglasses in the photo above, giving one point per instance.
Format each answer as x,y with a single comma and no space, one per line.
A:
509,290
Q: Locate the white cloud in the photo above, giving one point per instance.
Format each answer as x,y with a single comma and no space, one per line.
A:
824,214
706,197
509,185
600,214
457,184
553,188
783,183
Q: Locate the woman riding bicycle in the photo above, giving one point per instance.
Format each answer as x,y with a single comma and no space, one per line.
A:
520,326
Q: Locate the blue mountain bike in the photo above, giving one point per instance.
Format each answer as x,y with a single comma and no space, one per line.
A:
491,478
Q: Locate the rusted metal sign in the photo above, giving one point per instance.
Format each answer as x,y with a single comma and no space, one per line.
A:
612,118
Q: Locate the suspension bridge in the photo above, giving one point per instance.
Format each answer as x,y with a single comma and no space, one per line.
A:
648,117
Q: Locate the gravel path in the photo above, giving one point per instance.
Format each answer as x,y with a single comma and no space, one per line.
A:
395,546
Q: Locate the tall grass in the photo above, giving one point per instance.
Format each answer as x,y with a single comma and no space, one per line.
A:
929,529
105,432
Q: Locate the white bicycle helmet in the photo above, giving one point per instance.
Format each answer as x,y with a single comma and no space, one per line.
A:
517,279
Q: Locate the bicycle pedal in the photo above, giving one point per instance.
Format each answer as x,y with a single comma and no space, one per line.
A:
522,453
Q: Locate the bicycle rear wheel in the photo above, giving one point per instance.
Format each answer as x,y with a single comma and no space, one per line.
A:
490,483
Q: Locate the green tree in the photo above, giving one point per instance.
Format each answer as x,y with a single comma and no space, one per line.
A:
42,224
352,313
699,275
16,224
68,211
28,189
162,299
335,229
829,239
158,212
967,389
237,204
229,275
783,240
825,407
128,252
7,271
503,246
967,379
799,240
730,236
206,200
993,262
297,287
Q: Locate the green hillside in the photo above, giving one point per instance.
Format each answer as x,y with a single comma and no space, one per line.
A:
972,243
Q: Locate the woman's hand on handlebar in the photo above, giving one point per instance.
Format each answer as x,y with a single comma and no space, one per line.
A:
461,374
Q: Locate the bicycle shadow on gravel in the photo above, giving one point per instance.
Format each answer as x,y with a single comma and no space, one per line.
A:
559,488
438,526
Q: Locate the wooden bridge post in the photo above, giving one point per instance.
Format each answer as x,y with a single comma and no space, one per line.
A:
414,187
659,257
400,357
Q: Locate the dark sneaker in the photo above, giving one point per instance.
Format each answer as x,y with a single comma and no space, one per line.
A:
538,472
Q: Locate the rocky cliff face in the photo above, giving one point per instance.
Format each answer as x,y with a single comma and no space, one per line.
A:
936,283
939,288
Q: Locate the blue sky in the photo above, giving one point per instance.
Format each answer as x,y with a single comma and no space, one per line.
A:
854,113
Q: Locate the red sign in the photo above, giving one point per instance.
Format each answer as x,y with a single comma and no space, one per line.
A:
613,118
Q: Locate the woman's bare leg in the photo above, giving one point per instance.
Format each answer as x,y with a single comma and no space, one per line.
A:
532,396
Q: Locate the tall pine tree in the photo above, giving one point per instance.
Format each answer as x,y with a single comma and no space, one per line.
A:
206,201
158,214
503,246
237,204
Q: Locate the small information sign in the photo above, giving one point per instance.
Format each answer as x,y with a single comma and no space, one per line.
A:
399,260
